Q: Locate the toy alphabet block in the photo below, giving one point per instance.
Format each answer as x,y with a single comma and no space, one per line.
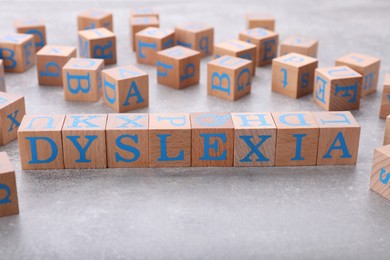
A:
82,79
265,21
98,43
142,11
254,139
386,139
150,41
17,52
169,140
197,36
229,77
293,75
212,140
337,88
50,60
266,42
12,110
301,45
9,204
84,141
127,140
2,77
36,27
339,138
297,138
93,19
367,66
385,103
178,67
380,174
40,142
125,88
140,23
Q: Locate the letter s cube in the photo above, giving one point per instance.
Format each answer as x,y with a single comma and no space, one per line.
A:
380,174
17,52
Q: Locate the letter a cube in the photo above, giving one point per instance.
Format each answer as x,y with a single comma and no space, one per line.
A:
337,88
36,27
93,19
9,204
380,173
197,36
17,52
385,103
178,67
2,77
140,23
301,45
229,77
293,75
40,142
82,79
266,21
125,88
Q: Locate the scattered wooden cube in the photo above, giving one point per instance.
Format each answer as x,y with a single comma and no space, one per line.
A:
151,40
36,27
9,204
82,79
301,45
12,110
254,139
127,140
142,11
138,24
2,76
297,138
339,138
40,142
385,104
367,66
386,139
266,42
229,77
265,21
197,36
50,60
380,175
94,19
337,88
84,141
125,88
17,52
178,67
98,43
169,140
212,140
293,75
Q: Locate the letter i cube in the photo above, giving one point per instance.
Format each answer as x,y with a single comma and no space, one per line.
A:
17,52
12,110
293,75
337,88
339,138
385,104
254,139
301,45
50,60
93,19
2,77
367,66
197,36
98,43
40,142
84,141
36,27
169,140
229,77
125,88
82,79
212,140
266,21
380,173
9,204
140,23
178,67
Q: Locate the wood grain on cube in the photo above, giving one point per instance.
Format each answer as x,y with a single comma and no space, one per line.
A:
9,204
196,35
385,103
17,51
298,44
93,19
2,77
380,173
36,27
140,23
260,20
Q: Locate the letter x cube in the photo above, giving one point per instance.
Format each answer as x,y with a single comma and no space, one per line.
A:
17,51
380,173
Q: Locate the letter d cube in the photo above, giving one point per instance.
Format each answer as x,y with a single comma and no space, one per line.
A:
17,51
9,204
380,174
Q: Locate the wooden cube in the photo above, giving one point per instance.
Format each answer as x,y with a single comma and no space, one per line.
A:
339,138
142,11
178,67
98,43
197,36
82,79
212,140
386,139
385,103
254,139
127,140
237,48
293,75
297,138
84,141
50,60
12,110
2,76
140,23
40,142
266,42
229,77
380,173
125,88
302,45
150,41
36,27
169,140
337,88
93,19
367,66
265,21
17,52
9,204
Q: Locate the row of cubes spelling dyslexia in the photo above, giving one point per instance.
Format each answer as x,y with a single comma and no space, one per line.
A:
188,139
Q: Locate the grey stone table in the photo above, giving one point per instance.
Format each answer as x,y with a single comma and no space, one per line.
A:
211,213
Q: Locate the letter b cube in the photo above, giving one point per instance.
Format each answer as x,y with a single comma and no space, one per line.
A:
17,51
